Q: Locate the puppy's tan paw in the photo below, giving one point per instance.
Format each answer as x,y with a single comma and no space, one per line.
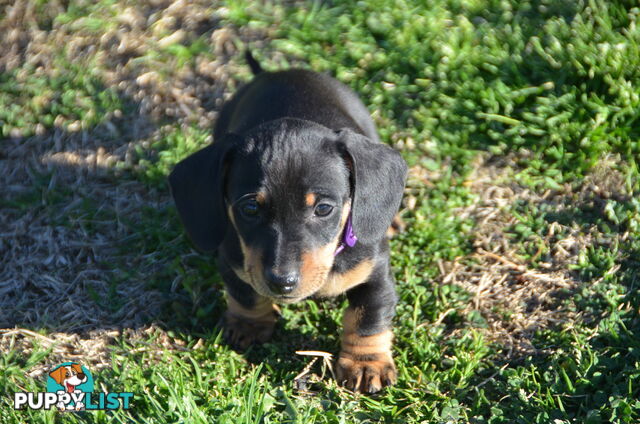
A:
240,333
366,374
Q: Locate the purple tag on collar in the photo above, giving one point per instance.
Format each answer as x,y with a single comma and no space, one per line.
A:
348,239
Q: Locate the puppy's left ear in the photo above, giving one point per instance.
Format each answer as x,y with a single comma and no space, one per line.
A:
378,176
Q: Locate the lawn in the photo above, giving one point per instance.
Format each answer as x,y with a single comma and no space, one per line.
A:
518,269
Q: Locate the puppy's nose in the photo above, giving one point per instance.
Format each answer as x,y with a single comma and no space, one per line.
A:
282,283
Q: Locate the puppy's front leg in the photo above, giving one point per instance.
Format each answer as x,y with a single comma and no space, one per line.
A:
244,326
250,318
365,363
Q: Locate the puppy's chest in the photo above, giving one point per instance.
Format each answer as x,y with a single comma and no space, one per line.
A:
338,283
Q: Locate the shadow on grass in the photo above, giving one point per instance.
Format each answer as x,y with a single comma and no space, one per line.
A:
85,245
92,244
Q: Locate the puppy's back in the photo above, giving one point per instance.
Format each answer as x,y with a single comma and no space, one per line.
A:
295,93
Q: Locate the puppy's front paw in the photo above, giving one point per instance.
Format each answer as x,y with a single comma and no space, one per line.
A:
240,332
366,374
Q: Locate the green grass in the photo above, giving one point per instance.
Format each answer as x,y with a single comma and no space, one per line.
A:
551,88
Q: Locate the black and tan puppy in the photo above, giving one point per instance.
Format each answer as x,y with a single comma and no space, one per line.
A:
295,195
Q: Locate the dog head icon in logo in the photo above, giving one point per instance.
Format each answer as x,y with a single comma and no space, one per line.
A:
70,388
70,377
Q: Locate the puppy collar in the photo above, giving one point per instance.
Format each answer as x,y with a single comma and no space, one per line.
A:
348,238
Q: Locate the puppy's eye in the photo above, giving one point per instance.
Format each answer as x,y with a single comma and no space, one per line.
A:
323,209
249,209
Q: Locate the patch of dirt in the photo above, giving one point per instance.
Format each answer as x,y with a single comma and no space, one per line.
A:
517,298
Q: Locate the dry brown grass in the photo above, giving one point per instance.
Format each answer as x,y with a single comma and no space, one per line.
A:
517,297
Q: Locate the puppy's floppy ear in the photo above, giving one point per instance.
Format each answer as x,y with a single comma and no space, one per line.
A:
378,176
197,189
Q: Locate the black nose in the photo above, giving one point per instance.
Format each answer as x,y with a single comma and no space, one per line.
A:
281,284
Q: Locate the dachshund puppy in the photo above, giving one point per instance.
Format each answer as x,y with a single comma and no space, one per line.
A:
295,196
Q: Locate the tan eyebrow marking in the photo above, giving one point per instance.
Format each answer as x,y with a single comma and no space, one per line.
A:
310,199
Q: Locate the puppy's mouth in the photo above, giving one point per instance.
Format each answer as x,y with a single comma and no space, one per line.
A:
263,289
285,299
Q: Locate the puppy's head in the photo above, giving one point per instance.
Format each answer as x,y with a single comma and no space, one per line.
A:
283,194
